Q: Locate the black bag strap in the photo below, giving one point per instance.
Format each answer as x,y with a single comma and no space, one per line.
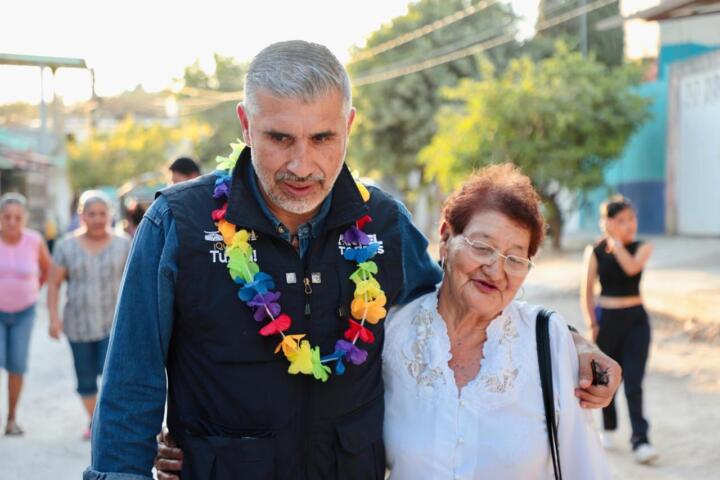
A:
542,335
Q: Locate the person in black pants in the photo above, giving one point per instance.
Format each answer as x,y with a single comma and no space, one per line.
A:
617,319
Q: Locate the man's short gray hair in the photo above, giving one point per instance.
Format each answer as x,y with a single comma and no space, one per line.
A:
13,198
93,196
296,69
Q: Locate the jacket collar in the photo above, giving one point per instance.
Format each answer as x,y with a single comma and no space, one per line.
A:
243,209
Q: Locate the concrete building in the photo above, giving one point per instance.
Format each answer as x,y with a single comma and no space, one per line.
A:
686,29
25,171
693,153
43,178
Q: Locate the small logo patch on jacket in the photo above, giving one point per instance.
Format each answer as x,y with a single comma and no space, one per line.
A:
217,253
342,244
213,236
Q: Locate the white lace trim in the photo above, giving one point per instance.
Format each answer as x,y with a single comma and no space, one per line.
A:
418,361
425,351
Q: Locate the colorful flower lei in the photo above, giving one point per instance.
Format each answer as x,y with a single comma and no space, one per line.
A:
257,288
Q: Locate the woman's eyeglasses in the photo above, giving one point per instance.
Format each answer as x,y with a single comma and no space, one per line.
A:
487,254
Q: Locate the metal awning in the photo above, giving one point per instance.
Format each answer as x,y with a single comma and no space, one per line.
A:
41,61
667,10
22,160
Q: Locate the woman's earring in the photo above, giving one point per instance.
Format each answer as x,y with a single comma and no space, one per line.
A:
522,293
442,263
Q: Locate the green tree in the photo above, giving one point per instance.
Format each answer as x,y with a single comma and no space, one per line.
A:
209,106
396,118
607,46
561,119
126,152
18,113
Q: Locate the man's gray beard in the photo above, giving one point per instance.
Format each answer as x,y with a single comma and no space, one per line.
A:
298,207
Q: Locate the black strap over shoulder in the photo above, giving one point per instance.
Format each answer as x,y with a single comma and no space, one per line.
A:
542,334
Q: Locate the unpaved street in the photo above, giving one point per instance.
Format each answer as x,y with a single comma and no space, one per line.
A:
682,399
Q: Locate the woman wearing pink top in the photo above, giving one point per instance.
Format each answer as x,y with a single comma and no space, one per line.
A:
24,266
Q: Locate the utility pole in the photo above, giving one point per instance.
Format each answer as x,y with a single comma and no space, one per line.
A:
583,31
43,112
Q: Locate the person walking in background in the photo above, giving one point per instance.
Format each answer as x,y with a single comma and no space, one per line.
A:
133,215
618,320
91,260
75,221
50,231
24,266
182,169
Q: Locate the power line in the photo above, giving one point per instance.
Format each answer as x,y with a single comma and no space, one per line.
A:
451,48
574,13
221,95
199,100
465,52
435,61
422,31
201,104
561,5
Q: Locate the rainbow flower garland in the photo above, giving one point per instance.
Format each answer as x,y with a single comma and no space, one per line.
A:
257,288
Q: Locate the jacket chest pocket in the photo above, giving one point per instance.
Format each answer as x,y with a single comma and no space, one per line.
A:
323,303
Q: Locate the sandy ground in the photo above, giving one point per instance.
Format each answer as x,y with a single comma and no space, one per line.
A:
682,388
50,412
682,396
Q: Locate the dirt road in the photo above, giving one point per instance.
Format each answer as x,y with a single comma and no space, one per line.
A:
682,399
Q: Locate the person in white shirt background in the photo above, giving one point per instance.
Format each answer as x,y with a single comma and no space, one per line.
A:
463,393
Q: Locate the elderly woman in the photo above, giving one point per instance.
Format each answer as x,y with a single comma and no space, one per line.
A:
24,266
463,396
91,260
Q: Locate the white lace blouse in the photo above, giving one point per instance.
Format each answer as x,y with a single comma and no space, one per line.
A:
494,428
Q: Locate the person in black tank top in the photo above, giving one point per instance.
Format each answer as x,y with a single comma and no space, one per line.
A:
617,318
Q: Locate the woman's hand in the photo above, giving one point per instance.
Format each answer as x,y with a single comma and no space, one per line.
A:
610,243
56,328
595,396
168,461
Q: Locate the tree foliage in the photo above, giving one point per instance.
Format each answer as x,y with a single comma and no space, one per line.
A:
561,119
396,118
127,151
606,46
228,76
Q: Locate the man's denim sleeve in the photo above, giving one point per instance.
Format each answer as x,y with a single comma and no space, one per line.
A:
420,272
130,408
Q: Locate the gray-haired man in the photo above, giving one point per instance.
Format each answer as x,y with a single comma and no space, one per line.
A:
233,405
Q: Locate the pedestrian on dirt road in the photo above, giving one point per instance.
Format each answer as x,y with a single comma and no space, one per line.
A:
91,260
617,318
24,266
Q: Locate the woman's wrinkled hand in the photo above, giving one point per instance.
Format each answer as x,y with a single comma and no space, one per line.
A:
596,396
168,461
